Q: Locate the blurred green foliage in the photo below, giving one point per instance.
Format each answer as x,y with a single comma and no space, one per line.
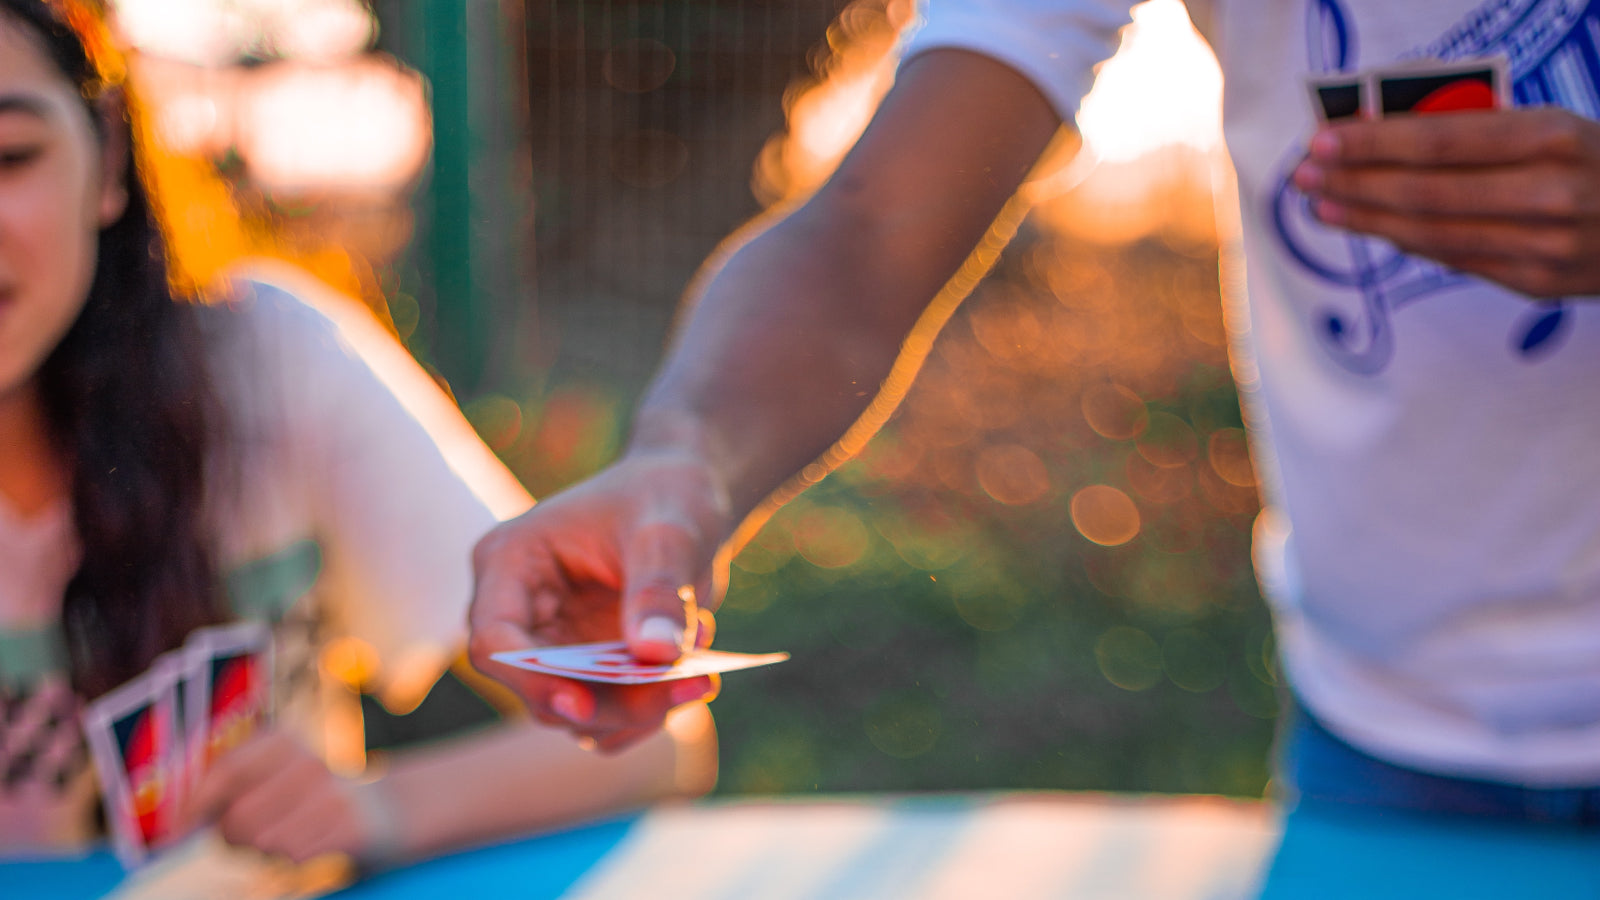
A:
943,640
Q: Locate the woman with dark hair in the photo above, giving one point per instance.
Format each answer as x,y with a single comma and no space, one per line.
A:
165,466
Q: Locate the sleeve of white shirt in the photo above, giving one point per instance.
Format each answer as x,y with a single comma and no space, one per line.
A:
1055,44
401,486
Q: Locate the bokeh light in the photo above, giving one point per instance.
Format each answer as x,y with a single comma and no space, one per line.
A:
1105,515
307,128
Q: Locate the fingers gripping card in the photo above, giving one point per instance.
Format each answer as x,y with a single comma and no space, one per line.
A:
611,663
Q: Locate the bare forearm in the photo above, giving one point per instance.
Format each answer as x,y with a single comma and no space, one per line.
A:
791,339
523,778
781,354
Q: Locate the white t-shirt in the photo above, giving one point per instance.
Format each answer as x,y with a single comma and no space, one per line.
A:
360,494
1426,440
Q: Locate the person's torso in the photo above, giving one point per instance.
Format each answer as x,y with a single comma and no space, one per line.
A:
1425,436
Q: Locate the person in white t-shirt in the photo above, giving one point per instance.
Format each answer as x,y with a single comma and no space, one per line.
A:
1417,360
165,466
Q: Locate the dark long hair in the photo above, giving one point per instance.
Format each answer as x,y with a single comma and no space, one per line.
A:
129,401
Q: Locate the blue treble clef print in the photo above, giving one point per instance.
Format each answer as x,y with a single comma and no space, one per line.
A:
1554,47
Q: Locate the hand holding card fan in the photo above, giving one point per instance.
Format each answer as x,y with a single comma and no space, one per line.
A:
1506,194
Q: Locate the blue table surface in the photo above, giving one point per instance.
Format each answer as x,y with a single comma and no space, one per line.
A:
539,868
1324,852
1329,852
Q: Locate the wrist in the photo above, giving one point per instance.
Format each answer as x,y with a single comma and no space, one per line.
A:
668,431
381,823
680,441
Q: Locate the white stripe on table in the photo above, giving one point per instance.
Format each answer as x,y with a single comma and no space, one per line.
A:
1081,847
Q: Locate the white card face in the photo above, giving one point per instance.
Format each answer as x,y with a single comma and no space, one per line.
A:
610,663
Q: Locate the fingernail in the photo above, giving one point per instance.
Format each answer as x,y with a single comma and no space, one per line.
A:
1325,146
1309,177
661,630
686,691
1329,213
566,705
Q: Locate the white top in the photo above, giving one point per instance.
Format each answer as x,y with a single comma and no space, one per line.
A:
345,440
1426,440
361,492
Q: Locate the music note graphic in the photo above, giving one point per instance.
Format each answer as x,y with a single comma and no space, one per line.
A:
1554,48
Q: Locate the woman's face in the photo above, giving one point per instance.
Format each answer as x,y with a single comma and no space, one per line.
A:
59,185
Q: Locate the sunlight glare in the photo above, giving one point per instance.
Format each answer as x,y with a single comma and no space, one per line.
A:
1163,87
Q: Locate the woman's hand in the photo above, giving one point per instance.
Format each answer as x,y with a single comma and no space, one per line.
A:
1509,195
273,794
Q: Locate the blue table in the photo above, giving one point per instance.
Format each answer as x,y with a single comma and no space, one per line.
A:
541,868
946,847
1330,851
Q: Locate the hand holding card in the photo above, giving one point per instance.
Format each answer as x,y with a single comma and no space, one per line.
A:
1503,194
153,737
631,554
604,694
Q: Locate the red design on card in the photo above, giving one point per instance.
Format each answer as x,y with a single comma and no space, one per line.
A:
1459,95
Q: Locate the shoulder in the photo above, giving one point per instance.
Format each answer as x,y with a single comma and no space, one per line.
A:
280,309
336,370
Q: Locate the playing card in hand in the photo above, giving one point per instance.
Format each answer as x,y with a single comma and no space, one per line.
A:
611,663
152,738
132,738
1414,87
1423,88
230,693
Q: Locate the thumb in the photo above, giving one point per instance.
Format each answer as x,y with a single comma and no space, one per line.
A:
659,609
496,637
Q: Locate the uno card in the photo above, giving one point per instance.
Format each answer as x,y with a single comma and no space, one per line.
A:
611,663
1423,88
189,725
132,736
229,696
1337,98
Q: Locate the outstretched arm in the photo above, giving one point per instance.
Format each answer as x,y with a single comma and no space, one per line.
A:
799,322
795,332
